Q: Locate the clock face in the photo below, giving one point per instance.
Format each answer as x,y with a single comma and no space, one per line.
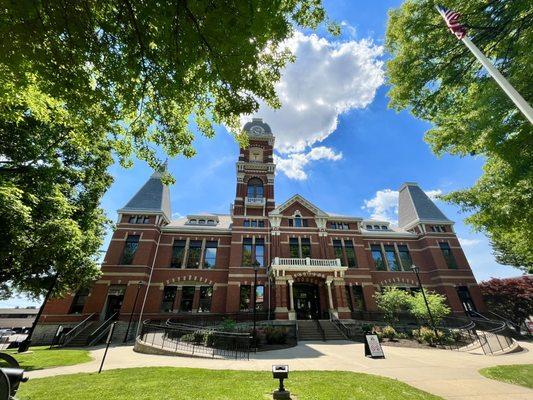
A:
257,130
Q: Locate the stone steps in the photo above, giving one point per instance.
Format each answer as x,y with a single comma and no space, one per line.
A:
309,330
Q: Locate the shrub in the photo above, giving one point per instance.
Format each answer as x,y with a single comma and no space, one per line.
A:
209,339
401,335
391,301
188,338
389,332
427,335
275,335
366,328
199,336
437,305
228,325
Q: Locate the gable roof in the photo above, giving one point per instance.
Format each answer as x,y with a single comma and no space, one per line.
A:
414,206
152,197
298,199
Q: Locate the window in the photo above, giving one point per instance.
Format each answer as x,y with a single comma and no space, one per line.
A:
294,248
358,298
253,223
169,295
392,260
306,247
466,299
261,224
298,221
340,225
260,252
139,219
187,298
201,221
178,251
206,294
384,227
255,188
210,256
448,255
247,252
245,301
130,248
376,227
369,227
246,223
193,255
350,253
79,301
260,297
337,248
379,262
405,257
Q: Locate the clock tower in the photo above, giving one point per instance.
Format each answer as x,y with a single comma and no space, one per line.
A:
255,172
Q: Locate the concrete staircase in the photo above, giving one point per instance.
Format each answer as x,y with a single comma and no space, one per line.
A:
81,339
330,330
312,330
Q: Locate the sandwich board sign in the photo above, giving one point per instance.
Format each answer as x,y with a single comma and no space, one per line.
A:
373,348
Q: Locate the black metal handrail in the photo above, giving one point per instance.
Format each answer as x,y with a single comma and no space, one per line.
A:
321,330
67,337
196,340
101,330
213,319
341,327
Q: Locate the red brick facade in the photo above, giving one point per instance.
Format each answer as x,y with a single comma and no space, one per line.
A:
310,263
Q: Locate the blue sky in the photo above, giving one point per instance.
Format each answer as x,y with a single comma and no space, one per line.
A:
346,152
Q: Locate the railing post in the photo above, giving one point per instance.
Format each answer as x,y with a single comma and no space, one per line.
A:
307,261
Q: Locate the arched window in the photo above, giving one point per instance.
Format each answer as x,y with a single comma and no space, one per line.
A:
255,188
298,221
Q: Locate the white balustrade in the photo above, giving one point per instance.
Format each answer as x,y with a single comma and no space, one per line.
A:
313,262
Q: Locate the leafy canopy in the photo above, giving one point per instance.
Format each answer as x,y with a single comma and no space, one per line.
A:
436,77
510,298
139,70
437,305
392,301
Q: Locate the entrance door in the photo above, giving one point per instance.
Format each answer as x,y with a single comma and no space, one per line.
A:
306,301
466,299
115,297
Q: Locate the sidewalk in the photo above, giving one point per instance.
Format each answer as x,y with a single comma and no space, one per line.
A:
450,374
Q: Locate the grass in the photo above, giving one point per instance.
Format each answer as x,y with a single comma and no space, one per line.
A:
521,374
166,383
42,357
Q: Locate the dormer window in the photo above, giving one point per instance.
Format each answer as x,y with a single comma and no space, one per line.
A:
201,221
369,227
384,227
376,226
255,188
298,221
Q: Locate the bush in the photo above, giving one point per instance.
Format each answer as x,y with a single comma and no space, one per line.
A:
401,335
188,338
437,305
366,328
275,335
427,335
392,301
228,325
389,332
199,336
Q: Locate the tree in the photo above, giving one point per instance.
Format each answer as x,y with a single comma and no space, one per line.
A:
51,183
437,305
392,301
435,76
140,70
509,298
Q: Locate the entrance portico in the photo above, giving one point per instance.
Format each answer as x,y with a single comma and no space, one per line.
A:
315,288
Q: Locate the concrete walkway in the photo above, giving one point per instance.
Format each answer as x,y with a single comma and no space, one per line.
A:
450,374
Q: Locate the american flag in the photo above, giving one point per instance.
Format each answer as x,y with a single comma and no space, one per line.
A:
452,21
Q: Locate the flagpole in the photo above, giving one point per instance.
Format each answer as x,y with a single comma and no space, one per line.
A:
498,77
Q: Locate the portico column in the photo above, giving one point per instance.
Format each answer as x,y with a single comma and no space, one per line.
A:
290,282
330,298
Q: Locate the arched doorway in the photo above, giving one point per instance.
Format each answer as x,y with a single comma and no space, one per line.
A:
306,300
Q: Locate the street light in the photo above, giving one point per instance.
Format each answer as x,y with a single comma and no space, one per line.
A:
416,270
139,284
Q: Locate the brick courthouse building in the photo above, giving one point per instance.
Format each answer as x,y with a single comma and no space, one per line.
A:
310,262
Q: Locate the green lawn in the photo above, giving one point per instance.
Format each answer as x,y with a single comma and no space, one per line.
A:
42,357
185,384
521,374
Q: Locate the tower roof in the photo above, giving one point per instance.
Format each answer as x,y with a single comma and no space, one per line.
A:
415,206
257,127
152,197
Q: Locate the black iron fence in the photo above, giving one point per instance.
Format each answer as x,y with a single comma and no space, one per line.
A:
196,340
462,334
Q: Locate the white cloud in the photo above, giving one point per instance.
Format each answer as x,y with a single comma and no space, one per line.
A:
349,29
176,215
327,79
468,242
384,205
293,165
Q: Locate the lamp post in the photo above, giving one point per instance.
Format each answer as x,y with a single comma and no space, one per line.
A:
139,284
416,270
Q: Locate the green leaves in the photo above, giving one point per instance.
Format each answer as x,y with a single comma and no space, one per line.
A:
139,72
435,76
